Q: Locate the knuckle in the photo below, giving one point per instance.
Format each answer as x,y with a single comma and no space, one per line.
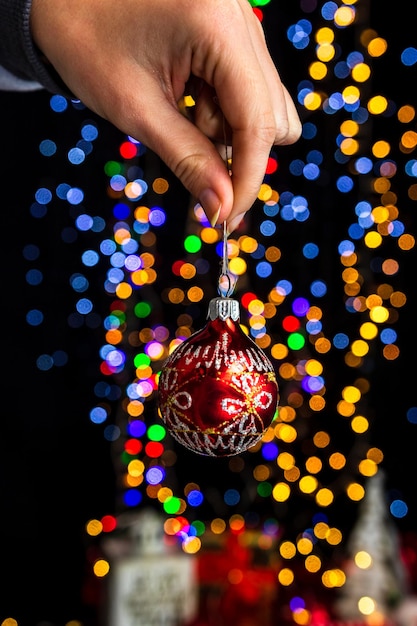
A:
190,170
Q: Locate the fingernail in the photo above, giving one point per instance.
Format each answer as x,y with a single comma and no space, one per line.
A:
235,223
211,205
213,220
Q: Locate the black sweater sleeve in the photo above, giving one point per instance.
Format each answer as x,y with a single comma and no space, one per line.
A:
18,53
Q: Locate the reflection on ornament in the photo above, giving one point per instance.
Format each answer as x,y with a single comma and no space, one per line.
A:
218,391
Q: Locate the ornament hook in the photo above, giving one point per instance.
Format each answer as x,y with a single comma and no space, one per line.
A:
226,283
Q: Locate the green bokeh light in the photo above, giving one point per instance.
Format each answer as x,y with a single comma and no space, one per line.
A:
112,168
141,359
296,341
156,432
142,309
192,243
172,505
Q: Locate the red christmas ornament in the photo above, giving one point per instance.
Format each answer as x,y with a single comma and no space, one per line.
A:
218,391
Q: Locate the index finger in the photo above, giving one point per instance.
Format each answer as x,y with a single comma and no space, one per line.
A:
248,100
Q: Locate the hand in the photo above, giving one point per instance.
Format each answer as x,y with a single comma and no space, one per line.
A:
131,62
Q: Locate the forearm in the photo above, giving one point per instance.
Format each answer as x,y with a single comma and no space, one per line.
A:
24,65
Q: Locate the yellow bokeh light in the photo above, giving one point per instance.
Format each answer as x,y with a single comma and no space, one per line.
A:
301,617
367,467
189,101
122,236
355,491
321,529
191,545
312,101
360,348
308,484
258,323
381,149
377,47
136,467
324,497
398,299
114,336
334,537
325,35
287,433
351,394
279,351
304,545
349,146
272,254
363,559
218,526
375,454
321,439
265,192
359,424
346,409
366,605
281,492
285,577
195,294
361,72
188,270
390,267
248,244
287,550
210,235
377,105
372,239
318,70
160,185
256,307
322,345
124,290
379,314
238,266
368,330
133,481
101,568
409,139
317,403
287,414
337,460
312,563
351,94
333,578
94,527
261,473
406,114
344,15
142,214
349,128
314,464
292,474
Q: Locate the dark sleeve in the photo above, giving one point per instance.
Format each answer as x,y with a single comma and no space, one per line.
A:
18,53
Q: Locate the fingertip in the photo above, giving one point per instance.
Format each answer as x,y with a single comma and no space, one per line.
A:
234,223
211,204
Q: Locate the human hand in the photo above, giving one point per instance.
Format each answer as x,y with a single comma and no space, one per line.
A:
132,62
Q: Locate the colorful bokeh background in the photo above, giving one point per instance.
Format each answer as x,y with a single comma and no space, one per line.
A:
108,264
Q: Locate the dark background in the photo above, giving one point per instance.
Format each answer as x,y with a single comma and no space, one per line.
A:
56,468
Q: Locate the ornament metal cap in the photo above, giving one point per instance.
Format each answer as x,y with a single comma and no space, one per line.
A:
223,308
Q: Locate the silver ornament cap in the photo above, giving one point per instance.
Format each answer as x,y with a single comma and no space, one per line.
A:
223,308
